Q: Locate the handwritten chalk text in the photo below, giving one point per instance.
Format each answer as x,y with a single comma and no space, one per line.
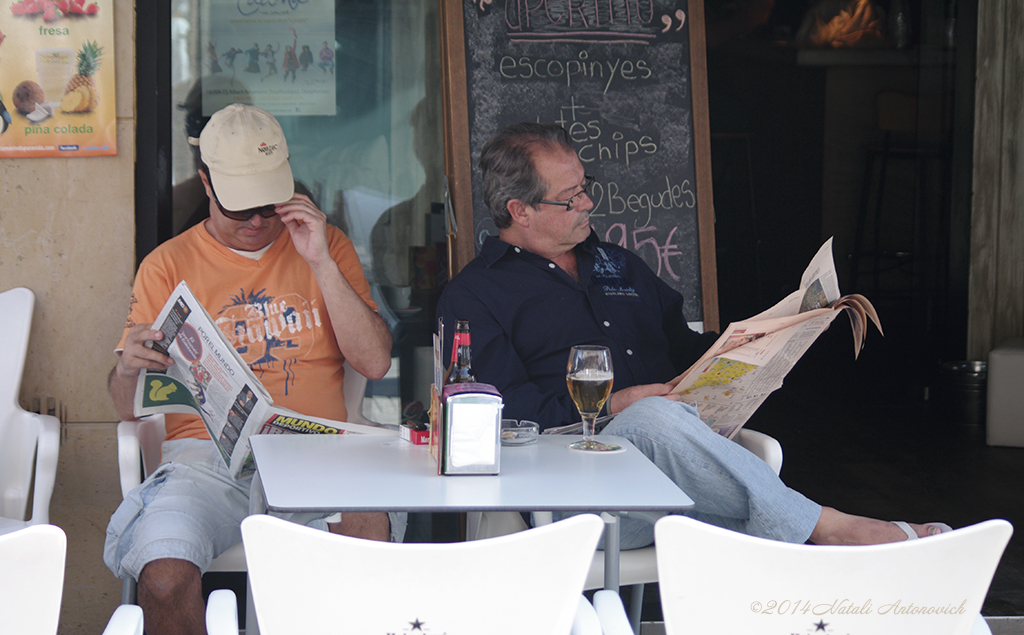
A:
528,68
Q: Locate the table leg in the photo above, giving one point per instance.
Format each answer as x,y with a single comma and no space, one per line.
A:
611,551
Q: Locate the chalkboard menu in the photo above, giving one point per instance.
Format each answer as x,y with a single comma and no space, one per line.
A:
621,77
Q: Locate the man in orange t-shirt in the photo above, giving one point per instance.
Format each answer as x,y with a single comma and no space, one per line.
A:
288,291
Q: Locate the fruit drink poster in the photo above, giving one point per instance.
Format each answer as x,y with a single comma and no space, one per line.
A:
275,54
57,79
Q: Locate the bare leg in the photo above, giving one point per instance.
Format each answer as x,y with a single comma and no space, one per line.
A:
368,525
836,528
171,596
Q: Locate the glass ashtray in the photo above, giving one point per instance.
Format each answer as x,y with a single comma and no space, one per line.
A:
518,432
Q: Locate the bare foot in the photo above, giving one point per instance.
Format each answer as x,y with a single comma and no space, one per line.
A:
837,528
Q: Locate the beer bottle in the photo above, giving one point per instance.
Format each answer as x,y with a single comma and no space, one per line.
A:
460,370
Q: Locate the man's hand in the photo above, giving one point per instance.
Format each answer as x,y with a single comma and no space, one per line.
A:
622,399
308,228
135,357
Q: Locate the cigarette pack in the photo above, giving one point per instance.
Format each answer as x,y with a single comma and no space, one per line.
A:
417,434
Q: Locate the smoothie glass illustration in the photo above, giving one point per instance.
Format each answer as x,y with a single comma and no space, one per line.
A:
54,68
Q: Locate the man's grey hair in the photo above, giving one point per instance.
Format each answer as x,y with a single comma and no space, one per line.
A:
507,165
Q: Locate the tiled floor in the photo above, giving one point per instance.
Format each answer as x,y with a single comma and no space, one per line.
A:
86,492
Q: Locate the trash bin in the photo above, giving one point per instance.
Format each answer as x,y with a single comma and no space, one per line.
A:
964,391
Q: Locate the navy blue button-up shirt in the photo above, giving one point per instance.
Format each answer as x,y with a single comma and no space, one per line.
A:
525,314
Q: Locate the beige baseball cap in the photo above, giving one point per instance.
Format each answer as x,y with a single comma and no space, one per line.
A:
247,154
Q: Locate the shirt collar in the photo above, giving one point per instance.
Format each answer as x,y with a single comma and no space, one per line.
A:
494,249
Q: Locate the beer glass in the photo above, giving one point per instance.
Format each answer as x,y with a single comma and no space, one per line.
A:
589,377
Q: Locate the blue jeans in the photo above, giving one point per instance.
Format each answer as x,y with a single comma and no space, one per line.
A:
731,487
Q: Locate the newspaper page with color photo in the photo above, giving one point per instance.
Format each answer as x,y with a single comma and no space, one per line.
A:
210,379
751,358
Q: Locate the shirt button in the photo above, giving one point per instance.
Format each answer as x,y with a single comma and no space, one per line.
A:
517,250
629,351
607,323
551,265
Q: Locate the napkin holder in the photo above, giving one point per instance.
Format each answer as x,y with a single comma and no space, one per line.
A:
471,429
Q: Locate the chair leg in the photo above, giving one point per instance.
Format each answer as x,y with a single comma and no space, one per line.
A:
128,590
877,229
636,605
859,249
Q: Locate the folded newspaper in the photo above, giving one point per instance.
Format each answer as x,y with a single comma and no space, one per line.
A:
210,379
751,358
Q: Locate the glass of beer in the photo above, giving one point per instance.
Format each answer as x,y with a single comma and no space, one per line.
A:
589,377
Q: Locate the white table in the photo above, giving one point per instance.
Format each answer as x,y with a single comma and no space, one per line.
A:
358,473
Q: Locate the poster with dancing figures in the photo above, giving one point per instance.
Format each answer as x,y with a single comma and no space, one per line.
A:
278,55
57,79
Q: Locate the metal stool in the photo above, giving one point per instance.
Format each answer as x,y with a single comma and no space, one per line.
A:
897,120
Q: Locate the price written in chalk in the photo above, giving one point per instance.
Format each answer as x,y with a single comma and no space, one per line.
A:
610,201
665,256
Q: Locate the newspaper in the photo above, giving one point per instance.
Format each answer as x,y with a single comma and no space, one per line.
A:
210,379
751,358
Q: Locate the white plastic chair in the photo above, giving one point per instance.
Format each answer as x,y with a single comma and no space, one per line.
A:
31,579
309,581
713,580
29,442
138,454
637,567
126,620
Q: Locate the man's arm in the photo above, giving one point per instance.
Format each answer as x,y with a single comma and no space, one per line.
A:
685,345
363,337
622,399
136,356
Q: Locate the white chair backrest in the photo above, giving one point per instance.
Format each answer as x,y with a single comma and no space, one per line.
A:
309,581
126,620
355,393
713,580
354,388
16,307
31,579
18,436
19,431
151,433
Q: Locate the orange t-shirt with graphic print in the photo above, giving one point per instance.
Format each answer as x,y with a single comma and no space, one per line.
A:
270,309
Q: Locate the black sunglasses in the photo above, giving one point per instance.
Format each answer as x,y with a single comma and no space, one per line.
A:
242,215
571,203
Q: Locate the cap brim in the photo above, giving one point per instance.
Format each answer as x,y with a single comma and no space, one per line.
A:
254,190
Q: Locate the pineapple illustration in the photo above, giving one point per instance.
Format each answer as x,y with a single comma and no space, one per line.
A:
81,94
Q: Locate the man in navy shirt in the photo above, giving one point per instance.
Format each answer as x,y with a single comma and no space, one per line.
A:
546,284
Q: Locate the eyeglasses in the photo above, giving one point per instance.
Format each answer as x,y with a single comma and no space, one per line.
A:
571,203
242,215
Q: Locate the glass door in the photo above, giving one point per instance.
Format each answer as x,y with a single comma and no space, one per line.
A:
356,87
